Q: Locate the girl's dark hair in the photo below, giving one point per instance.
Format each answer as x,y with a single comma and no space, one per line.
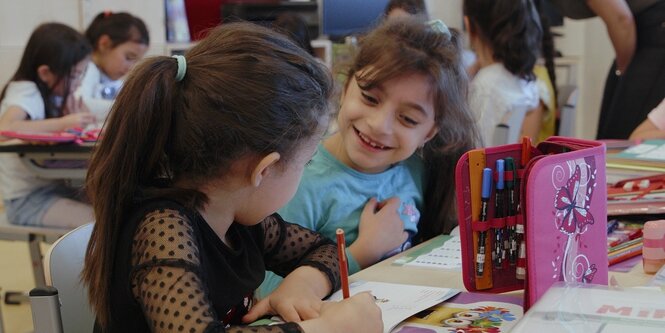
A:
120,27
548,50
512,28
294,26
247,91
60,48
403,46
413,7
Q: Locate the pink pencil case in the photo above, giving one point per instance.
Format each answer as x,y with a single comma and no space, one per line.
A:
560,204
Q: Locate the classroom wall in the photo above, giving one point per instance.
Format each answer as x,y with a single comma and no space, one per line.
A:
19,18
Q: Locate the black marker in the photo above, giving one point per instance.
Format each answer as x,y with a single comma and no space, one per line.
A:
484,202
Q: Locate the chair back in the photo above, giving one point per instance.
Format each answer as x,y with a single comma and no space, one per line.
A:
568,96
63,264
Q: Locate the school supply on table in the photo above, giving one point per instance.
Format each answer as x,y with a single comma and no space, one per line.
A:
558,213
648,155
399,301
72,135
442,252
658,278
467,312
343,264
653,253
586,308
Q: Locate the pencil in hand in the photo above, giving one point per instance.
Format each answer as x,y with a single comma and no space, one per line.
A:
343,265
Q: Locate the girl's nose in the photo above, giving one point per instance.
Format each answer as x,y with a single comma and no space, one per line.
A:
381,121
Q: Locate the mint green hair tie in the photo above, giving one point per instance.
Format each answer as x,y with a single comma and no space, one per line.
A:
182,67
438,25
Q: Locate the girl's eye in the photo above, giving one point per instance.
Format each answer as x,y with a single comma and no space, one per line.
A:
369,98
409,120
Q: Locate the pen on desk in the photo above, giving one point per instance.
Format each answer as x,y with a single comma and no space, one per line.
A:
343,266
512,205
499,206
484,201
520,271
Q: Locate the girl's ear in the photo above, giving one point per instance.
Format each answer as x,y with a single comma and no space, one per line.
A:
262,168
45,75
431,134
104,43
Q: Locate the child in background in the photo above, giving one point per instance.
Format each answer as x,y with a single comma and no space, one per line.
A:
543,124
403,119
294,26
506,36
185,187
38,98
118,40
405,8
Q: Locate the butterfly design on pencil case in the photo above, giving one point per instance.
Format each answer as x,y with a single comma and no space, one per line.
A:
573,217
589,273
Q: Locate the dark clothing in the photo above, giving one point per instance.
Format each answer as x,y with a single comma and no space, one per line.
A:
578,9
173,273
628,99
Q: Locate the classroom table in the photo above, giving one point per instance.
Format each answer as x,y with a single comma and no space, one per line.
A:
32,156
386,271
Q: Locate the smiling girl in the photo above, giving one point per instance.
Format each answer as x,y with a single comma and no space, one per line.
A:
403,119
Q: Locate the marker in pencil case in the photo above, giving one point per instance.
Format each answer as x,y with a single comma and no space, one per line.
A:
484,202
499,206
512,206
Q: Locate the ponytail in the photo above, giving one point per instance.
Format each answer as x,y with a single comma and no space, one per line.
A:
138,128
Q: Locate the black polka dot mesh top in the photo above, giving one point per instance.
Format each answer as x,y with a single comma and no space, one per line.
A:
174,274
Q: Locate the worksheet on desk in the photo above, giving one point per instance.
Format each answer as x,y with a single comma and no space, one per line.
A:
440,256
399,301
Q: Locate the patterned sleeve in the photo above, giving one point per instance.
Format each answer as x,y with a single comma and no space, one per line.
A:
166,279
288,246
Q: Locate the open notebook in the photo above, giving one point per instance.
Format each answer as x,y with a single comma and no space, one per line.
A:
399,301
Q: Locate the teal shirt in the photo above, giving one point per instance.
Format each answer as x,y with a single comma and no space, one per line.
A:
332,195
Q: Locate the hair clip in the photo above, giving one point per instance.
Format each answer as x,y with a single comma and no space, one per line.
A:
182,67
438,25
107,13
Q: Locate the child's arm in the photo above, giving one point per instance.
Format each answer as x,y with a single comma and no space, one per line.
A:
15,119
647,130
533,121
380,230
168,282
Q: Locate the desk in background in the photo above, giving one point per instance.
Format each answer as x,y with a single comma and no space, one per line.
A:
33,156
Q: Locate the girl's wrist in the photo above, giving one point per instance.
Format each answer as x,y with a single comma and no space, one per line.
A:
317,325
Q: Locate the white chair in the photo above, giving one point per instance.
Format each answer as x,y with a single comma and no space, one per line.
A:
568,96
63,306
33,236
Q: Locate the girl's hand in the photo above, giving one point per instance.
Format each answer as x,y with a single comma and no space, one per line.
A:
81,119
75,105
297,298
358,313
381,230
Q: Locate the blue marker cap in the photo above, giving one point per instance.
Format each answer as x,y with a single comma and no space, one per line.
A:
487,183
499,170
